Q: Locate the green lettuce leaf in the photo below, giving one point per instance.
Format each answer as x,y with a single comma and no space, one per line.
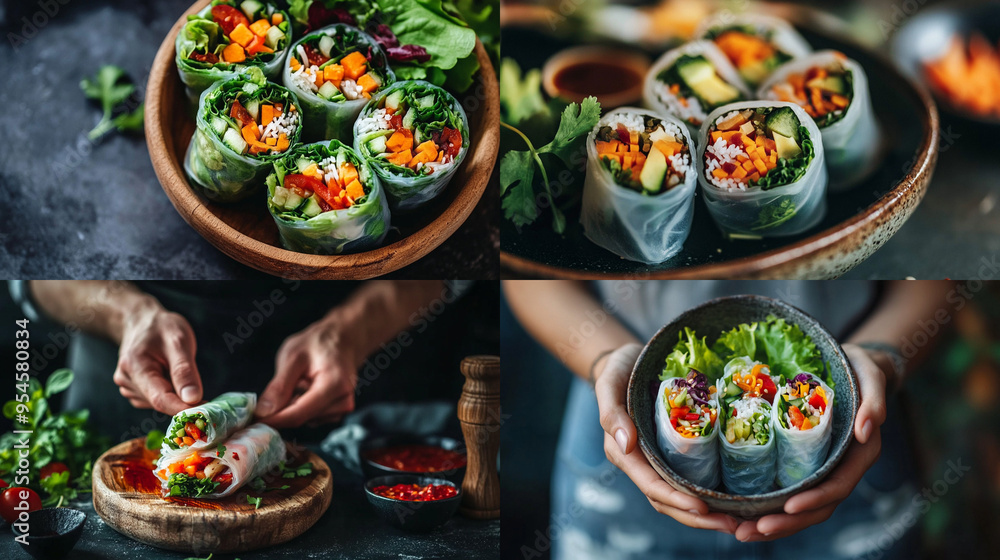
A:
427,24
690,353
738,342
788,350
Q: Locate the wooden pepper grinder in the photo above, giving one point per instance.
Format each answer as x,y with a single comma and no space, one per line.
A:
480,415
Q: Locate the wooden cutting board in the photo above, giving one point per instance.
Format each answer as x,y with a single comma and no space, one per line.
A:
128,497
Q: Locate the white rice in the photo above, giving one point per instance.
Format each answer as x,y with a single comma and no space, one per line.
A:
285,123
378,120
745,408
726,153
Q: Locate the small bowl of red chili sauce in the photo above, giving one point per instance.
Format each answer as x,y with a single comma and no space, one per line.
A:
435,456
413,503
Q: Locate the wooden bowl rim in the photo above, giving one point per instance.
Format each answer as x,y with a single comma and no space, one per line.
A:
652,452
240,246
775,262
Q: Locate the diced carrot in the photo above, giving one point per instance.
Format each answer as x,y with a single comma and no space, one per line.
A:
251,133
294,63
188,440
355,190
602,147
715,136
400,158
368,83
233,53
277,18
271,141
348,173
282,143
761,168
773,159
257,46
633,137
748,165
627,160
318,79
742,158
718,173
640,160
260,27
190,469
400,140
355,64
240,34
839,101
739,173
667,148
754,177
199,474
266,114
333,73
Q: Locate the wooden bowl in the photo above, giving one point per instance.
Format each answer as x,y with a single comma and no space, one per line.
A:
710,320
246,232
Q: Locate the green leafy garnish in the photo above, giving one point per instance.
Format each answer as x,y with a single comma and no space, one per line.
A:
180,484
106,87
740,341
154,440
520,98
517,168
689,353
254,501
789,350
258,485
220,451
789,170
305,469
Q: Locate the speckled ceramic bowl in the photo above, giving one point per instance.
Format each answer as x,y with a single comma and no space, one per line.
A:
711,319
413,516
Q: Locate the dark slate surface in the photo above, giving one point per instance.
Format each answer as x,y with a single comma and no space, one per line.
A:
72,209
349,529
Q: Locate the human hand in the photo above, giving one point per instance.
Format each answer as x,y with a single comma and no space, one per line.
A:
816,505
315,376
156,364
620,446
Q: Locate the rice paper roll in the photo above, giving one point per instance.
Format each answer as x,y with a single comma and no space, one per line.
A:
755,44
762,170
415,135
690,81
227,38
802,421
687,427
746,393
219,471
205,425
334,71
326,200
243,126
833,90
638,196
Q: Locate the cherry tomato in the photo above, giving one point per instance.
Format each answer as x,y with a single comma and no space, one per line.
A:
192,431
239,112
11,499
53,468
310,183
228,18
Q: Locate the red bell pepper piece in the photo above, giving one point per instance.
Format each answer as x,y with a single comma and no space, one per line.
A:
228,18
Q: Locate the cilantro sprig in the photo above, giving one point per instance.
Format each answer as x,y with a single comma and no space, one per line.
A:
107,88
517,169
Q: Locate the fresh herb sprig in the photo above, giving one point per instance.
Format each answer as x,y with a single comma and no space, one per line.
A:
108,88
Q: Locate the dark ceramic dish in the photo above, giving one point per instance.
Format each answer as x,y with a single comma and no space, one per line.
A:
412,516
54,532
372,469
924,37
711,319
857,221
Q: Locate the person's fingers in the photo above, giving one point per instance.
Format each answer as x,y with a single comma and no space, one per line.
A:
871,382
841,481
611,386
289,369
637,468
714,521
136,403
315,400
773,526
155,388
180,350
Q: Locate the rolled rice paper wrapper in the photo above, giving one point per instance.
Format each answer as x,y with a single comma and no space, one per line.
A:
224,415
656,96
216,170
197,79
783,35
325,119
648,229
696,459
747,468
259,448
407,193
765,213
358,228
851,145
801,453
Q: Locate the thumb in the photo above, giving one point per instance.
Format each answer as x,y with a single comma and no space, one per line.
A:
280,389
184,371
611,387
871,382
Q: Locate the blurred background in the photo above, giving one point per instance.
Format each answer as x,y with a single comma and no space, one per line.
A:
957,219
951,403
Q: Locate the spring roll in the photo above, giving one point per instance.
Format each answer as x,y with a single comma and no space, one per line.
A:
326,200
228,37
762,169
687,430
803,418
755,44
208,424
219,471
638,196
833,90
746,392
334,71
415,135
243,125
689,82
